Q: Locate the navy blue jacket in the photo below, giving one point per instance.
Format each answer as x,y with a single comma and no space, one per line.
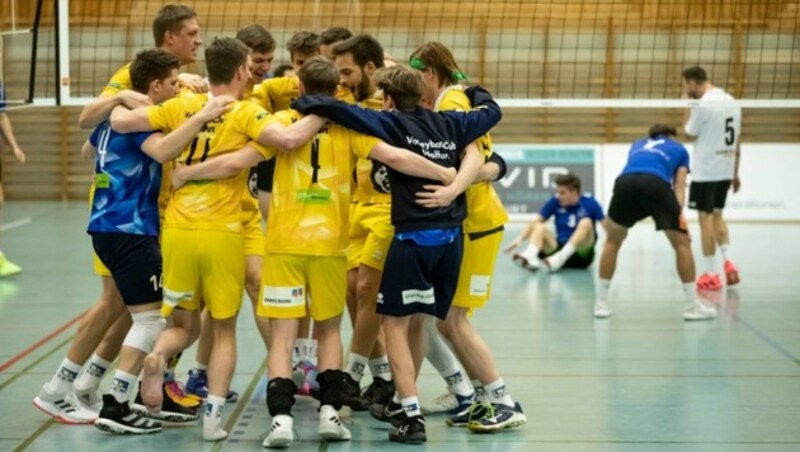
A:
439,137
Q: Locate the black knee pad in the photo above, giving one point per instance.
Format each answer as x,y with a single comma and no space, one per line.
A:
332,388
280,396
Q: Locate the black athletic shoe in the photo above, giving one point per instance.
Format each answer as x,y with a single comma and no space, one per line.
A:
170,410
379,391
410,431
392,413
118,418
352,395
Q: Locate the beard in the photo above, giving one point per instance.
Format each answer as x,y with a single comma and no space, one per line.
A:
362,90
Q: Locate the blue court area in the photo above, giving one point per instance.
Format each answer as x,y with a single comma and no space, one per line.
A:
642,380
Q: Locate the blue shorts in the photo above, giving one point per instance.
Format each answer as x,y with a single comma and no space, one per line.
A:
420,279
135,264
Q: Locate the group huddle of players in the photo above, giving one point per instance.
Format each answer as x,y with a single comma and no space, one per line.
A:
365,196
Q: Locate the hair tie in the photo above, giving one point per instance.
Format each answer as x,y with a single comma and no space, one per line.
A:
416,63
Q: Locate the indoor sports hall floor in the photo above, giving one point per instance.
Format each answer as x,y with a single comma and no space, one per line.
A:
643,380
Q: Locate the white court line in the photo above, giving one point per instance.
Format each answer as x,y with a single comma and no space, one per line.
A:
16,224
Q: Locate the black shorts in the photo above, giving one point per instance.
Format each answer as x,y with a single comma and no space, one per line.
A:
638,196
708,196
135,264
266,174
580,259
420,279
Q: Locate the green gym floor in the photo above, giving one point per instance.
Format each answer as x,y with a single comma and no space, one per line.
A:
643,380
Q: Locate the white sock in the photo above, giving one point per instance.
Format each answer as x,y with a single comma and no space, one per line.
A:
456,382
61,382
122,385
302,348
381,368
200,367
711,264
213,417
567,251
437,352
498,393
690,293
356,365
603,285
89,380
531,251
723,249
480,392
411,406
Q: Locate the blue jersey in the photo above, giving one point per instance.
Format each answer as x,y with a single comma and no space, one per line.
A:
127,182
2,97
567,217
660,156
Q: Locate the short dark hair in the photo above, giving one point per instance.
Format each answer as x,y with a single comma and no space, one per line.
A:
364,49
223,58
170,18
319,75
305,42
662,129
150,65
570,181
334,34
257,38
402,84
696,74
281,70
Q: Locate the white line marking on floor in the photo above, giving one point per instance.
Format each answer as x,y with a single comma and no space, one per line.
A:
16,224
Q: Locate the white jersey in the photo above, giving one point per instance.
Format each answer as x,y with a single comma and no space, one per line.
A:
717,129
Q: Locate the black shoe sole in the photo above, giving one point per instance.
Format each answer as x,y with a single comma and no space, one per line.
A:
411,439
166,416
110,426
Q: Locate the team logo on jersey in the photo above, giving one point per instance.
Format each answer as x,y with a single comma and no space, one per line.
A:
252,183
380,178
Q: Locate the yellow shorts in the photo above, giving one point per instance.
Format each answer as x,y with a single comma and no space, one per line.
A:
371,233
477,266
211,261
253,234
287,279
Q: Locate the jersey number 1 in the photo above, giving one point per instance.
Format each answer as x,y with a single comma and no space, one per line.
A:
315,160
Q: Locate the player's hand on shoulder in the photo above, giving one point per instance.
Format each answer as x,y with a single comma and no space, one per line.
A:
217,107
133,99
436,196
194,82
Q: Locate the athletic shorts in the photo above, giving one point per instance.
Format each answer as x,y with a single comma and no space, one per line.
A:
708,196
288,279
265,175
477,266
254,241
420,279
638,196
99,268
134,262
581,258
370,235
212,261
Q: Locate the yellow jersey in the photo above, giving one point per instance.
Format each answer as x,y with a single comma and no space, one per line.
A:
485,211
311,191
277,93
121,80
372,178
213,204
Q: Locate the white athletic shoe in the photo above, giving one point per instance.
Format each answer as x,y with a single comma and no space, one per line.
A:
445,403
91,399
330,426
698,311
530,263
64,407
555,262
281,433
602,310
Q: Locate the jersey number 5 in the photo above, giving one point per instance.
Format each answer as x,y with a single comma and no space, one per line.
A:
730,132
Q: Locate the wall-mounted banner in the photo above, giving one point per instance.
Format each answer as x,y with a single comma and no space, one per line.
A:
532,169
